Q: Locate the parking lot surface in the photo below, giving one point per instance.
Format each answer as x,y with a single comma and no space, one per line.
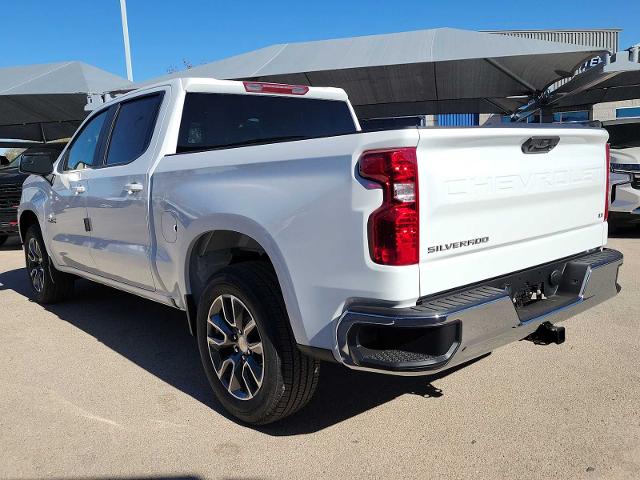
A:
110,386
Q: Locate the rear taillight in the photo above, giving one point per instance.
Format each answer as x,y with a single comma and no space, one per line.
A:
607,173
265,87
394,233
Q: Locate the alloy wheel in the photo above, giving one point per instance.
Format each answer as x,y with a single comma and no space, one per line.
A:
36,264
235,347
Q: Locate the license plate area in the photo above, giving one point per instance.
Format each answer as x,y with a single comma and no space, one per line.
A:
529,294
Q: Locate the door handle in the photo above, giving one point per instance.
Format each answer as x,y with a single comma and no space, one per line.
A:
134,187
77,189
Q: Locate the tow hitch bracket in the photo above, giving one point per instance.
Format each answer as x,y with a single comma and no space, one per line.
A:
547,333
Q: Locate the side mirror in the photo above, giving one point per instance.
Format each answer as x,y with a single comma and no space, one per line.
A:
36,165
4,161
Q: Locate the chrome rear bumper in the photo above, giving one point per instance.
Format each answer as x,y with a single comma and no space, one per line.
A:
443,331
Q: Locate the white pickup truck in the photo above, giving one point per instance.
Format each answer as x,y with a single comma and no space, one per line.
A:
624,138
290,236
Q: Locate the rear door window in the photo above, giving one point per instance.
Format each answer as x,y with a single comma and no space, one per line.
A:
135,121
211,120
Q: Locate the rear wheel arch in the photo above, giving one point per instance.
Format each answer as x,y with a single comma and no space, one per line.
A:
213,250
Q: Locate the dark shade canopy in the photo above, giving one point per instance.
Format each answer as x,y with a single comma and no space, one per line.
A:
25,143
427,71
47,102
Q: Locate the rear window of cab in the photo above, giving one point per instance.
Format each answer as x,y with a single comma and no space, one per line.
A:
213,120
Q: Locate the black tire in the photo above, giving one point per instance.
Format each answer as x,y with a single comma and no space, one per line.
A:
51,285
3,239
289,378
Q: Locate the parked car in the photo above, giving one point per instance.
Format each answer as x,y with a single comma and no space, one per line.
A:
288,236
11,180
624,138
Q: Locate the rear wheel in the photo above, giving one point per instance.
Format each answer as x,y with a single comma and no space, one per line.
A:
47,284
3,239
247,349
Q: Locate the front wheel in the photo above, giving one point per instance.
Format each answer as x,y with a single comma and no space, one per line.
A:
47,284
3,239
247,349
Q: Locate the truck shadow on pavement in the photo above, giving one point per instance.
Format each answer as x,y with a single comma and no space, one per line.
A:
156,338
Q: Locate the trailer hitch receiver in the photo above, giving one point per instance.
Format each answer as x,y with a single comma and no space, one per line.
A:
547,333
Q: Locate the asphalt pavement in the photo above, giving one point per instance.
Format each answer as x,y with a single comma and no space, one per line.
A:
110,386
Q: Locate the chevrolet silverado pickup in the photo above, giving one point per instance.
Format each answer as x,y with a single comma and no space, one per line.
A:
290,236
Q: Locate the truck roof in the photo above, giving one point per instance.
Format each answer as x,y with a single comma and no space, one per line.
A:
212,85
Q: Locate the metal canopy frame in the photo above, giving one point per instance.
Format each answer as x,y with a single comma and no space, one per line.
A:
616,78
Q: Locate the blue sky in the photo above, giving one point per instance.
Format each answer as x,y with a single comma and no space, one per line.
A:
164,32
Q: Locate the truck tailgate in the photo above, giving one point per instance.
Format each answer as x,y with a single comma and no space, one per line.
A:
487,208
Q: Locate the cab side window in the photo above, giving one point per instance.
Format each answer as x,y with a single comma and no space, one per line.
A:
83,152
134,126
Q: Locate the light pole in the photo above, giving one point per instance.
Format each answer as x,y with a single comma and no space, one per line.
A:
125,35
